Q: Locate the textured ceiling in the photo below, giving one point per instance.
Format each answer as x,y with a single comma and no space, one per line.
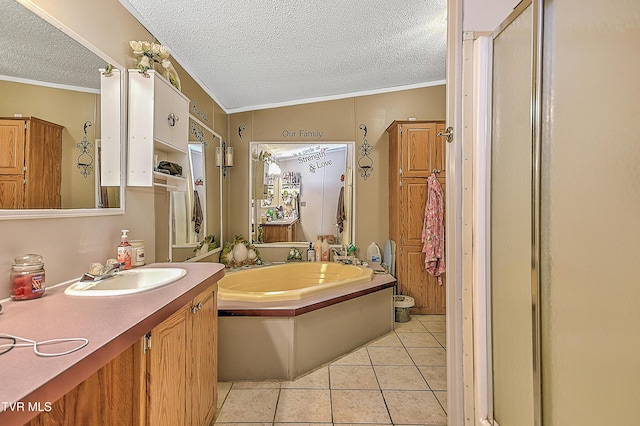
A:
35,50
251,54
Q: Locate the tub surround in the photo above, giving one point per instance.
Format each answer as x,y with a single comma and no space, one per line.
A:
112,324
284,340
290,308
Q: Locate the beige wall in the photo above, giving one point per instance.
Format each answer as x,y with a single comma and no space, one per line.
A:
70,109
338,120
69,245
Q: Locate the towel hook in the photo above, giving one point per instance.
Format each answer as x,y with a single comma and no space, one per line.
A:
436,171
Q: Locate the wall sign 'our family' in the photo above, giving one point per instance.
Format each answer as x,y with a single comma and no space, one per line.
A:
302,133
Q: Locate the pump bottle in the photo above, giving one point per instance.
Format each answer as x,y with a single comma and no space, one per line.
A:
311,253
124,250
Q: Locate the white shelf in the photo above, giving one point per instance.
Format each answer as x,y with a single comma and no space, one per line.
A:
158,131
172,183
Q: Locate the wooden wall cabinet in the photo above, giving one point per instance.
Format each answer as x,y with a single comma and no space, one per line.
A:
158,126
169,377
415,151
30,163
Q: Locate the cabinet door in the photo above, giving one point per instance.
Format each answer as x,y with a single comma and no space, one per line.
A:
107,397
419,149
414,280
12,147
413,201
171,116
180,131
11,191
163,108
166,384
203,365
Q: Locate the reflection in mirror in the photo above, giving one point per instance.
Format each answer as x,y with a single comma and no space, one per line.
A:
301,192
59,112
189,207
196,213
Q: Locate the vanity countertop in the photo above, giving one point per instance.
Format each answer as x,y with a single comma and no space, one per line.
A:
282,222
111,324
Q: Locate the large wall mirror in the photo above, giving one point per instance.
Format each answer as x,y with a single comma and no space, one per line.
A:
197,212
60,115
301,192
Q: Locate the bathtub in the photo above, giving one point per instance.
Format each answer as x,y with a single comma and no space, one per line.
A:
280,322
291,281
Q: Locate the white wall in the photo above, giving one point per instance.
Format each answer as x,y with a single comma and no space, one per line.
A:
485,15
319,190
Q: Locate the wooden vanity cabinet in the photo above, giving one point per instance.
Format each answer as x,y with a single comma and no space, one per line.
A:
169,377
107,397
182,375
30,163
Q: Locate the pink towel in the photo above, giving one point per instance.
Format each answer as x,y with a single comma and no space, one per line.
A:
433,229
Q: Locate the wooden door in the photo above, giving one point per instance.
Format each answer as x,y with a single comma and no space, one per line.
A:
203,365
12,135
11,191
419,147
107,397
12,147
167,371
413,279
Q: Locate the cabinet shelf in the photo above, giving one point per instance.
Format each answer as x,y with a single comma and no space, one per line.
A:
172,183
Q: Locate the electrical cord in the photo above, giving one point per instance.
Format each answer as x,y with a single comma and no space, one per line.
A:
18,341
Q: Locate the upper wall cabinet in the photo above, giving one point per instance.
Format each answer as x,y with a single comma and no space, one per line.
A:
158,131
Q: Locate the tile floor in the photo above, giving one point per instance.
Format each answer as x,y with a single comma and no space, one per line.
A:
399,379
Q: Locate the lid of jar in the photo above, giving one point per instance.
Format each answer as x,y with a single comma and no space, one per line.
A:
28,260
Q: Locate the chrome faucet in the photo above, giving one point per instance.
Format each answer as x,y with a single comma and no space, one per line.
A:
107,271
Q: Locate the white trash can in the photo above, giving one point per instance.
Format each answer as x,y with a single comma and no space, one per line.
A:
402,304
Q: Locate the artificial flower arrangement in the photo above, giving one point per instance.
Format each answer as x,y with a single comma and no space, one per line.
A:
149,54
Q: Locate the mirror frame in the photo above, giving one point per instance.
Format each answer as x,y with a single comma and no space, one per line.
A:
348,178
55,213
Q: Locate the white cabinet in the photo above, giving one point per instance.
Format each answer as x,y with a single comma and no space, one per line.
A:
158,131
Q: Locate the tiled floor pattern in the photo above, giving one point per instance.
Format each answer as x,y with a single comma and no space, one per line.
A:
399,379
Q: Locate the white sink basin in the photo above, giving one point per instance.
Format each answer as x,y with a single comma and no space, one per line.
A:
127,282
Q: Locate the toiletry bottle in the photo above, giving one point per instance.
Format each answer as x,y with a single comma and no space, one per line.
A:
311,253
318,249
373,253
325,250
124,250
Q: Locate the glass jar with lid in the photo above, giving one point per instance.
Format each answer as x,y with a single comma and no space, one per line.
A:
27,277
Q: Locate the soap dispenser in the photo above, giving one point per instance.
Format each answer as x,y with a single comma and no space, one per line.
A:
124,250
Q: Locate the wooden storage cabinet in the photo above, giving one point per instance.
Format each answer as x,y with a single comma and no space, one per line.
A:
167,378
415,151
158,128
30,163
279,232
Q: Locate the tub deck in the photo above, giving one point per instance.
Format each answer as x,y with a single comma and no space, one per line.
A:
286,339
